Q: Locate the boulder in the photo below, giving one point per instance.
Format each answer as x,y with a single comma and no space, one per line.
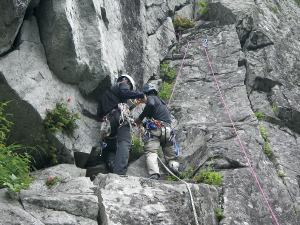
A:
134,200
12,13
26,79
69,201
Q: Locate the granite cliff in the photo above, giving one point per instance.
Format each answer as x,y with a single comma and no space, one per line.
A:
71,49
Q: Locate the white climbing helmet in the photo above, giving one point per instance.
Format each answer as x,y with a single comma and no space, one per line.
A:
129,78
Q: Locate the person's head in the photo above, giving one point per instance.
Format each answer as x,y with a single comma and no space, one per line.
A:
128,79
149,90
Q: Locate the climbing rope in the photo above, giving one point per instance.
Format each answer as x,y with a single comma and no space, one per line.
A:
240,142
186,50
191,196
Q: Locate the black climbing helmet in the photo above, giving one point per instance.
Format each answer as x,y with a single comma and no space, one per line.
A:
149,89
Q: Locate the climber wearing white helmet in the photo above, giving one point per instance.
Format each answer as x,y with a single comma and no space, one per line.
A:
116,153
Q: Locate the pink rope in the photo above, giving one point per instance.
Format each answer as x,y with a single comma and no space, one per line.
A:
240,139
187,47
263,194
176,33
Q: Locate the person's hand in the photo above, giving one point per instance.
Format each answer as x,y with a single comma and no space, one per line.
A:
141,100
138,121
144,100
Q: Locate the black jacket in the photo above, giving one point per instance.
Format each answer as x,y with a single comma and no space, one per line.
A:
118,93
157,109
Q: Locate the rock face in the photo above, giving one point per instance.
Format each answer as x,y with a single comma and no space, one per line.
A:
70,201
26,79
12,17
76,49
133,200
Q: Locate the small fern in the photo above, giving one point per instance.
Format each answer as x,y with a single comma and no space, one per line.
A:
207,177
165,91
264,134
259,115
268,150
204,8
219,214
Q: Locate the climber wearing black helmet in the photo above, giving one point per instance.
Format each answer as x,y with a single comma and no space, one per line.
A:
160,134
116,153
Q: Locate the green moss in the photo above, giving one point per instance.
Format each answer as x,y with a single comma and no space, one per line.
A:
136,150
280,174
15,161
207,177
204,8
166,90
268,150
259,115
274,109
219,214
264,134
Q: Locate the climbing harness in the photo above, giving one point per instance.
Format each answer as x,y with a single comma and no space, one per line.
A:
204,43
169,133
105,129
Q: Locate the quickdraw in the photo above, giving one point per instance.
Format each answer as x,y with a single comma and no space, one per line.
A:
124,109
105,131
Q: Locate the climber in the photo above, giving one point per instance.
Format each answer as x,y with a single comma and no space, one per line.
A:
116,152
160,133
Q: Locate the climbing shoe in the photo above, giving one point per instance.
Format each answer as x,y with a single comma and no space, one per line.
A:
154,176
173,165
175,171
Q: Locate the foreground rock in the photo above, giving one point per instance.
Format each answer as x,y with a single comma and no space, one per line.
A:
110,199
133,200
70,201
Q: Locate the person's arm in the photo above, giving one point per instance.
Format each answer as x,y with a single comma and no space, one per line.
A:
147,112
127,94
149,109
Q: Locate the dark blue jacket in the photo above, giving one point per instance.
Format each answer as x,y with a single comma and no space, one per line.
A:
118,93
157,109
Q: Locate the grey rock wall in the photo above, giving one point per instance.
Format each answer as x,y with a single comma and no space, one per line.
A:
70,201
28,81
253,49
76,50
12,13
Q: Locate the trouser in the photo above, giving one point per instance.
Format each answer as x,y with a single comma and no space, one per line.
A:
118,145
158,138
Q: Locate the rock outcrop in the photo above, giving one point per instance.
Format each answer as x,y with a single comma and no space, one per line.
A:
70,201
75,49
12,18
